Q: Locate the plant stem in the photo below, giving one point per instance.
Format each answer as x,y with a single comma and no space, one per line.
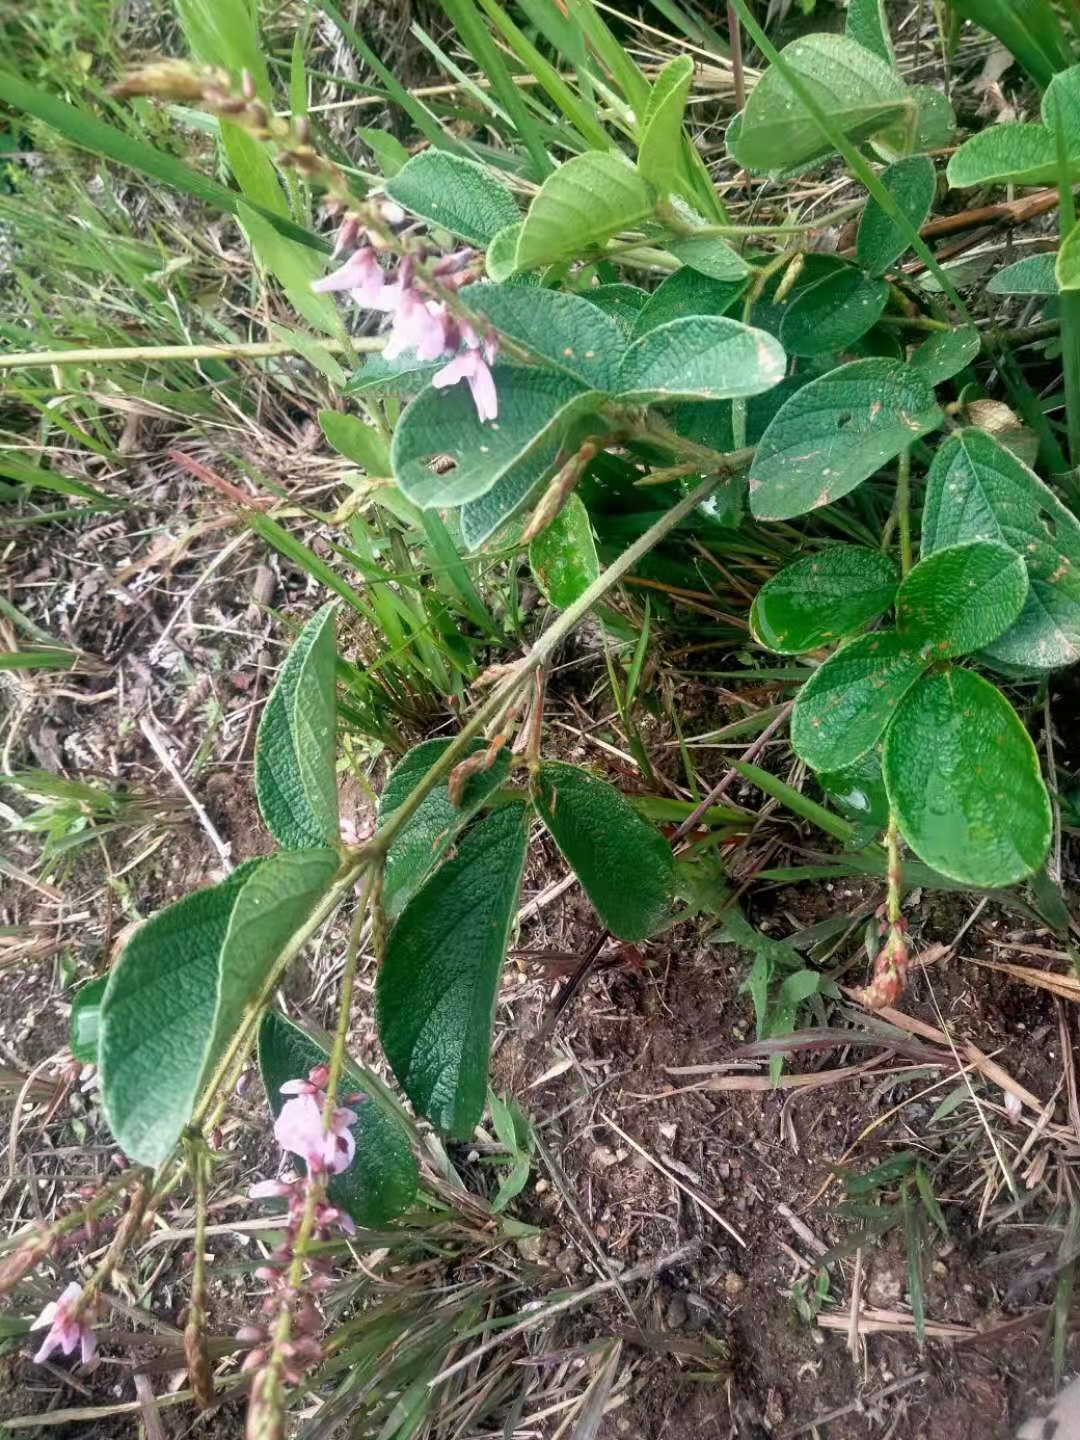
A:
249,350
903,509
541,652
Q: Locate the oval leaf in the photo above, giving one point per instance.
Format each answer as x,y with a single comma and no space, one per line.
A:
823,598
881,241
436,989
624,865
859,91
1009,154
660,153
706,357
964,783
382,1180
456,194
709,255
564,331
360,443
868,26
428,835
843,709
834,313
563,557
686,293
535,406
180,988
622,302
295,779
978,490
946,353
961,597
835,433
1034,275
585,202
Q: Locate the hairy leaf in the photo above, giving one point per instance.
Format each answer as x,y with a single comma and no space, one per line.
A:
535,407
833,314
295,779
660,153
705,357
563,557
962,597
857,89
456,194
686,293
946,353
823,598
585,202
624,865
709,255
964,783
84,1027
1017,154
564,331
868,26
360,443
427,837
881,241
1034,275
835,432
382,1180
179,990
436,989
843,709
978,490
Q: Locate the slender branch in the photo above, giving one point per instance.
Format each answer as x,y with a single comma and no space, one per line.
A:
903,509
242,350
541,652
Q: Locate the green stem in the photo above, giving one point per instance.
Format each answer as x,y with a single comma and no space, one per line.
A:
541,652
109,354
903,509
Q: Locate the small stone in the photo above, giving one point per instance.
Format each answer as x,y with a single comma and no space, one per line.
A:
568,1261
678,1312
532,1248
886,1287
734,1285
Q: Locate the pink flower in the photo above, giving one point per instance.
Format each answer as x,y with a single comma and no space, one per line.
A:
65,1329
470,365
362,276
419,325
299,1129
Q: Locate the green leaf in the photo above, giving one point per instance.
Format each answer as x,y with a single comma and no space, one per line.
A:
436,989
935,124
180,988
390,155
584,203
564,331
624,865
455,194
84,1027
623,303
1034,275
823,598
360,443
976,489
382,1180
293,266
501,260
1029,30
660,153
1016,154
406,376
684,294
858,89
842,710
962,597
881,241
858,791
835,433
427,837
833,313
535,408
705,357
709,255
295,779
946,353
964,783
1067,269
868,26
563,557
482,518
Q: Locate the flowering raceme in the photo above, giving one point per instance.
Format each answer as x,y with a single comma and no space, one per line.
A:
420,324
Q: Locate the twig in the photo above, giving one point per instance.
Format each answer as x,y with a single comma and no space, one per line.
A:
729,779
644,1271
158,746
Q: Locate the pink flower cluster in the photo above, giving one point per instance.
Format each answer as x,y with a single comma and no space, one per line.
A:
419,323
66,1330
299,1127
